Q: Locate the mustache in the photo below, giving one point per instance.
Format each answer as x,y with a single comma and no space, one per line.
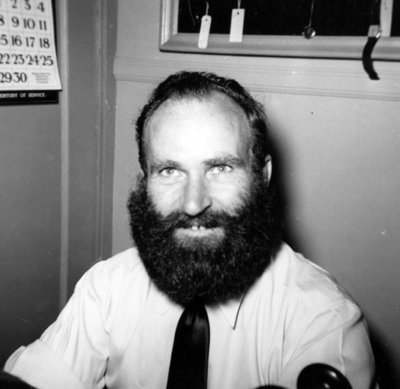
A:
208,219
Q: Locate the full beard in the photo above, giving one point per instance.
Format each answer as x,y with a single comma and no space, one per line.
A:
213,270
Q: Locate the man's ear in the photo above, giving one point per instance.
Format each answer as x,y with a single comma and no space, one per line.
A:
267,169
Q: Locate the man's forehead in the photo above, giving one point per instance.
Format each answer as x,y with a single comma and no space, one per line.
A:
214,97
208,127
204,109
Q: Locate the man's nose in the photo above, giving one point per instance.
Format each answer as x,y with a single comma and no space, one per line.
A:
196,197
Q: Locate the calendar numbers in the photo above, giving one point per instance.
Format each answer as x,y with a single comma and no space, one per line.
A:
30,24
40,7
15,77
27,59
27,45
42,25
42,60
26,6
15,41
18,59
30,41
5,59
44,43
3,40
14,22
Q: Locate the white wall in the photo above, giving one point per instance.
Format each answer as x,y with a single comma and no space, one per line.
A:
339,139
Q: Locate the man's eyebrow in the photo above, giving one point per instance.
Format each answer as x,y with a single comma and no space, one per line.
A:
226,160
159,164
230,160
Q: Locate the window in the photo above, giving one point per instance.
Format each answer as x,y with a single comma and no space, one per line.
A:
276,27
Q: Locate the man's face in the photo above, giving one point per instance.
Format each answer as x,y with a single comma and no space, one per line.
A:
198,162
205,225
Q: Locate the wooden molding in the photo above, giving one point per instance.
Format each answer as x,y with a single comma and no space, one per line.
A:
335,78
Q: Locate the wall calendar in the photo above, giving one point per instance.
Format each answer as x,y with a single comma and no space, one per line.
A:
28,60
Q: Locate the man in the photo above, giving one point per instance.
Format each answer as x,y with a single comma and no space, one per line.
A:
206,223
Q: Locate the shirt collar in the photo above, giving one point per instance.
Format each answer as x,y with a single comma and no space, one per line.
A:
231,310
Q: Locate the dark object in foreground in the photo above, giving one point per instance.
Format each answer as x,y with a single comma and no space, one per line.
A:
8,381
315,376
318,376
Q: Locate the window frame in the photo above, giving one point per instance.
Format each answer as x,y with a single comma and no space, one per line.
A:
329,47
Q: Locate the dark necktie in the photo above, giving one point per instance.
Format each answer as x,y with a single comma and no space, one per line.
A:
189,359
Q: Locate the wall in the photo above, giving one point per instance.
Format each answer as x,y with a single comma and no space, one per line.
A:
29,222
88,136
56,166
339,138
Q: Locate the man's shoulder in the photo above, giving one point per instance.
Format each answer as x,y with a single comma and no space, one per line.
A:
305,282
124,267
117,285
126,260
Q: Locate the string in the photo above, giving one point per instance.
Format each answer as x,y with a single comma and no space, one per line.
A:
191,12
311,12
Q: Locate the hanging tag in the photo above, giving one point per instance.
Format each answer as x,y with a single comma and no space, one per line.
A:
204,31
237,23
386,13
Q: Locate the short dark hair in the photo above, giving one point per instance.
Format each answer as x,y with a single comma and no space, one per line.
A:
199,85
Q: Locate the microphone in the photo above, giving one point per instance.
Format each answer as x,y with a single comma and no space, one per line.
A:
321,376
318,376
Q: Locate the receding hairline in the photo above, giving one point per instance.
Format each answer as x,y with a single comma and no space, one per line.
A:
220,98
213,94
186,86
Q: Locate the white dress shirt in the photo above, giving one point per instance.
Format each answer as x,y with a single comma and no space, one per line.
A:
118,330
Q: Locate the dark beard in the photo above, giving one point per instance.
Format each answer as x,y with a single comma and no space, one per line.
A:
210,272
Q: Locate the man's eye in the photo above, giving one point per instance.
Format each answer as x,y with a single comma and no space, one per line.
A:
169,172
219,169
